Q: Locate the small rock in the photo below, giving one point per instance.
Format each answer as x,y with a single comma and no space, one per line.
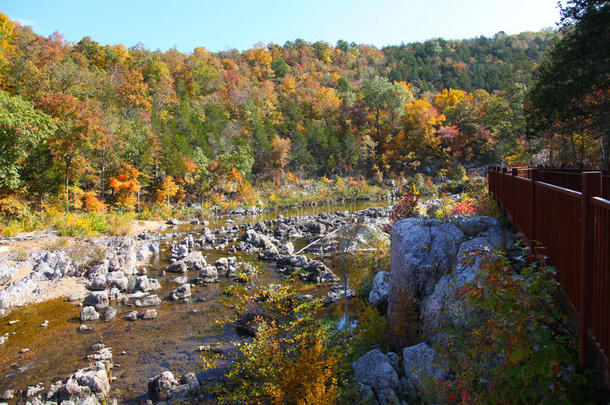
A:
89,314
110,314
8,394
76,297
149,314
24,351
181,292
83,328
45,324
132,316
149,301
13,322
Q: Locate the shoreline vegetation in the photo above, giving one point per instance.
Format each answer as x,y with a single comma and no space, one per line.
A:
265,198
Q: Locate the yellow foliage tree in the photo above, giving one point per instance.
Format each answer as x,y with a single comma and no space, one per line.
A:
448,98
421,121
280,147
167,190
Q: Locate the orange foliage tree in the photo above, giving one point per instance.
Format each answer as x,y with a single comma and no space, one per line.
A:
126,186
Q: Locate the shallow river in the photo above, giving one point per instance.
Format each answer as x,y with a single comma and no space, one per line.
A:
141,349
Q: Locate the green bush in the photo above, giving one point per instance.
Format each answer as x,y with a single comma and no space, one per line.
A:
517,345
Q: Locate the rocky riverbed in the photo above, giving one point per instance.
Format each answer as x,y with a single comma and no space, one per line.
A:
153,298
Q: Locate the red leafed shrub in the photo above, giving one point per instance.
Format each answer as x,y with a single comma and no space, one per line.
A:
406,208
465,208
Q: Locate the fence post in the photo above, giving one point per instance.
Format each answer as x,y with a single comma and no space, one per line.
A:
489,180
591,187
503,199
515,173
534,174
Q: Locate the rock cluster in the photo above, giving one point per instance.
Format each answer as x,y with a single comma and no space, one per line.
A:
427,264
165,389
89,385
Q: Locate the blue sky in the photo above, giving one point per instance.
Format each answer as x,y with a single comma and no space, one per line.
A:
222,24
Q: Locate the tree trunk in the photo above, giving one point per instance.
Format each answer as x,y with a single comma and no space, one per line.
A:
606,150
67,182
103,174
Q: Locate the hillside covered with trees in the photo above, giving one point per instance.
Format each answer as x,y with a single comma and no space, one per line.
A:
107,120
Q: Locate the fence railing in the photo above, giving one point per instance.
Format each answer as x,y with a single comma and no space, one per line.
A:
565,214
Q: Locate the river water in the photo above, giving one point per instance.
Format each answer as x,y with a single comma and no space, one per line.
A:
141,349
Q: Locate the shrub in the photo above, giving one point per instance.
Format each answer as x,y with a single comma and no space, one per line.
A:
290,360
464,208
92,203
517,345
405,208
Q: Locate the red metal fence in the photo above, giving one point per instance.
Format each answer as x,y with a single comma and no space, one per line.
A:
567,213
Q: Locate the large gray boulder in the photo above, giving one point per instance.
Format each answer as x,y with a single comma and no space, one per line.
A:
208,274
195,261
445,307
121,255
295,261
89,385
97,299
164,388
177,267
421,365
54,265
117,279
375,370
422,252
151,300
378,297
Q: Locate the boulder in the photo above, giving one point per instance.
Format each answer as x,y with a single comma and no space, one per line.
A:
317,272
118,280
195,261
208,274
142,283
182,292
256,239
89,314
422,251
54,265
287,249
445,307
89,385
378,297
159,387
97,283
177,267
375,370
222,264
97,299
297,261
421,364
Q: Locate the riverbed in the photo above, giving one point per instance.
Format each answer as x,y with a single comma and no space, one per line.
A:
142,349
